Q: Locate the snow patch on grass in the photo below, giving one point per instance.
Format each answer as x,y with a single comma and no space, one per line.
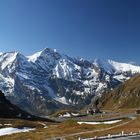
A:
11,130
106,122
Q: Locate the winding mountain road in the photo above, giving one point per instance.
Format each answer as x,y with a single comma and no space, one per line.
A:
93,131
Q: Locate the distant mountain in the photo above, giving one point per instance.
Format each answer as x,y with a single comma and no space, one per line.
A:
126,95
48,80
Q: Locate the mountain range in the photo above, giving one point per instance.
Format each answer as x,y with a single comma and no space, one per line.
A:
49,80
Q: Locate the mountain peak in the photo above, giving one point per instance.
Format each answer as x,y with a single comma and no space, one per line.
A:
48,50
46,53
104,64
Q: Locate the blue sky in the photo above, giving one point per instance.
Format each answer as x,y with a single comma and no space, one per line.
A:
106,29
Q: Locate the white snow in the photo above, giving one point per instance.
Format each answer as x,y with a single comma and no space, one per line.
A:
101,86
62,70
9,58
66,69
34,57
55,97
23,75
11,130
75,114
61,100
107,77
121,77
103,64
111,66
8,80
44,125
8,124
55,50
78,92
65,115
106,122
124,67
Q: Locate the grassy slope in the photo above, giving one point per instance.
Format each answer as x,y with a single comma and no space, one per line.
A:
64,129
126,95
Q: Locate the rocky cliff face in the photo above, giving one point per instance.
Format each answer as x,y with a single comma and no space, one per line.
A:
49,80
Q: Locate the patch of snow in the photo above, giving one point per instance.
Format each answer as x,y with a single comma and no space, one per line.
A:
124,67
11,130
74,114
34,57
55,97
7,124
65,115
78,92
101,86
107,77
104,65
23,75
9,58
33,88
9,80
106,122
68,115
113,66
61,100
121,77
45,126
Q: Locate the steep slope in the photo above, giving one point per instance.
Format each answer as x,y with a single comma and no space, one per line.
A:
126,95
48,80
8,110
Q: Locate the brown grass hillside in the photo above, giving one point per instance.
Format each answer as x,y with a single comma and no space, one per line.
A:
126,95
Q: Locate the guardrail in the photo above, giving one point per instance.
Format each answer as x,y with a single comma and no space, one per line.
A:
109,136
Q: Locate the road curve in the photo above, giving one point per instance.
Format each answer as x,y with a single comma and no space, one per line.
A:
92,131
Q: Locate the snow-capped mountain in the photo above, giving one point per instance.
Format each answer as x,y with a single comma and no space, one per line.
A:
49,80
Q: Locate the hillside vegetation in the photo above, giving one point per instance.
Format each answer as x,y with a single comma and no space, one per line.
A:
126,95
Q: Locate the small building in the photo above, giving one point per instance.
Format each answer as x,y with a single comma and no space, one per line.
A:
138,111
92,111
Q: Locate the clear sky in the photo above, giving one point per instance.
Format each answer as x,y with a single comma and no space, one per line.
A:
106,29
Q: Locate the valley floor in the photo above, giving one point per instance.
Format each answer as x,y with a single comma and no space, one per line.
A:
69,129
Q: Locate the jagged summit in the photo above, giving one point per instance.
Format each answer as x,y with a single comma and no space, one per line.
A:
46,54
49,80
